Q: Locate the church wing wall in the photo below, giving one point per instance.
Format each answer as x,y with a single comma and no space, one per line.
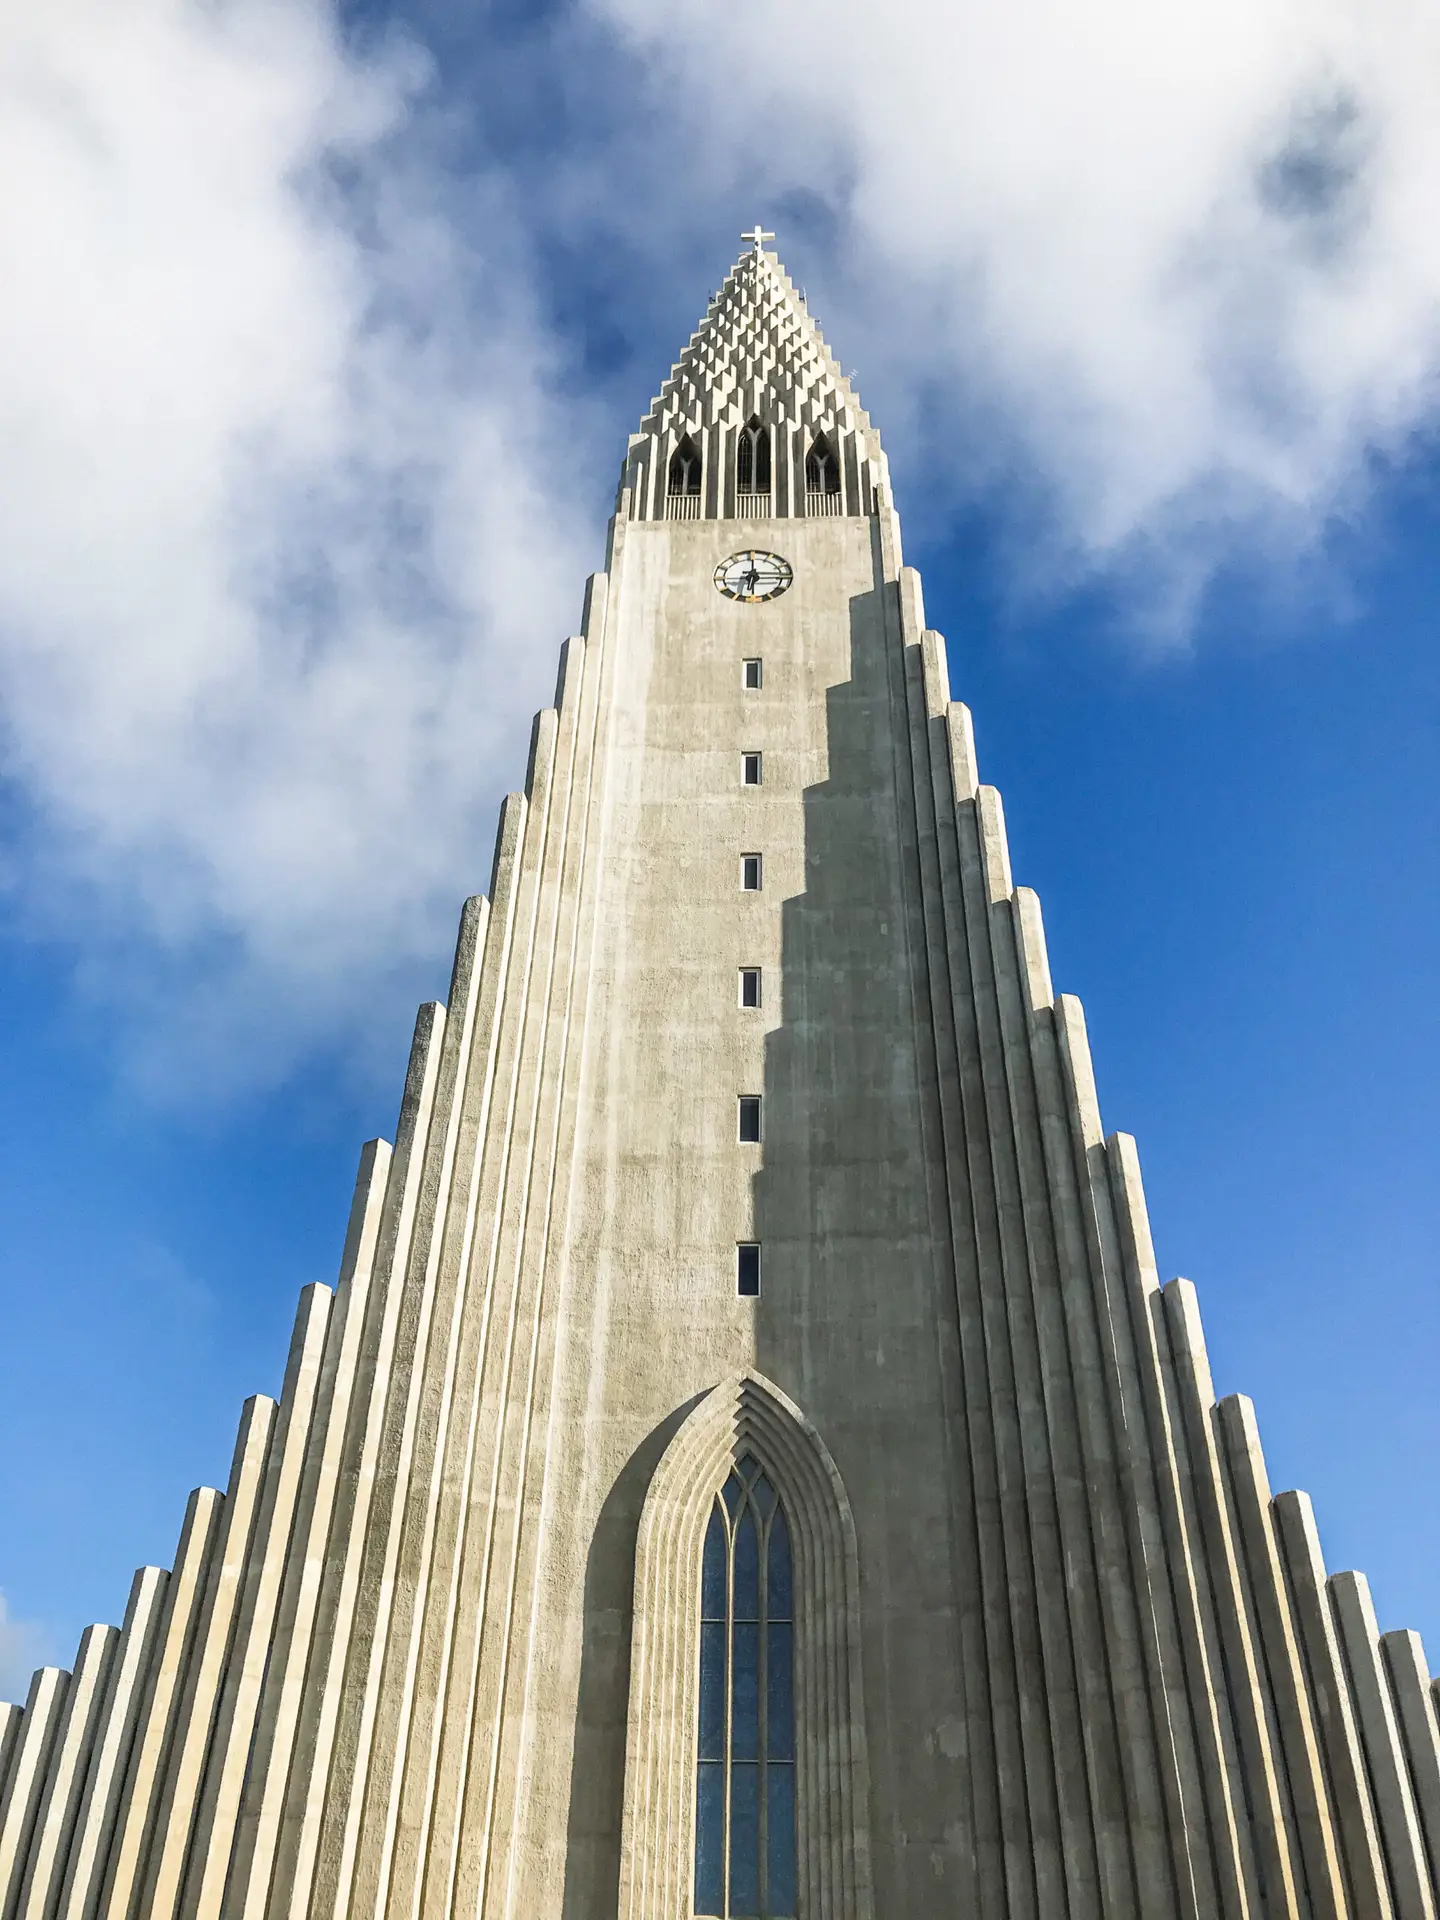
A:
1161,1723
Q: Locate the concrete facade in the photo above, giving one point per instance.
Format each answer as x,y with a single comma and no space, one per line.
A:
434,1651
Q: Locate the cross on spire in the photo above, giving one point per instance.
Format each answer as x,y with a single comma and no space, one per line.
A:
758,238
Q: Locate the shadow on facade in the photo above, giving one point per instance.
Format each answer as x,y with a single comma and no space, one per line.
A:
857,1316
843,1195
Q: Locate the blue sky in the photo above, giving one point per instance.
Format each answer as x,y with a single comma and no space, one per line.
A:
329,333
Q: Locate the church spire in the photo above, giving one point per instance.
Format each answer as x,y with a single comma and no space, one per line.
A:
756,392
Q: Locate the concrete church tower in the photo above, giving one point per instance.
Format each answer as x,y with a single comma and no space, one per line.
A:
748,1465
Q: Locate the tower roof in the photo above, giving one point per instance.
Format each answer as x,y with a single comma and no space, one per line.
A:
756,352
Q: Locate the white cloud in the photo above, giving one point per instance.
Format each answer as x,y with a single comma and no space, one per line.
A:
1185,258
24,1645
285,544
281,577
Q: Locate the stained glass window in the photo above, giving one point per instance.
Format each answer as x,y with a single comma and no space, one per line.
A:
745,1789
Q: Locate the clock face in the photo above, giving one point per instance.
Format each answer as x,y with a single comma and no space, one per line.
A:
753,575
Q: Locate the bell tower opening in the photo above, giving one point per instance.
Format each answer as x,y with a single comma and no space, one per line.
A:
683,488
822,470
752,458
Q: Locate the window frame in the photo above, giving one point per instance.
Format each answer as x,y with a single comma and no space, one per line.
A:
822,465
758,885
753,457
688,463
749,1267
745,1706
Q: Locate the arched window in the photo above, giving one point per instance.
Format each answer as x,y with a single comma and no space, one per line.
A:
745,1750
745,1683
752,458
822,470
685,468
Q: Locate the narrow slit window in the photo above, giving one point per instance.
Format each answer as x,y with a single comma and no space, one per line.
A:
751,872
751,769
750,986
753,675
750,1118
747,1269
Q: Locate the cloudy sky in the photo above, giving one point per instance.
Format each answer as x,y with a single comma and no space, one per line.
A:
321,334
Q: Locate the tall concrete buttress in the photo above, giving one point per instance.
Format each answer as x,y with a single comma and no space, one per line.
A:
454,1639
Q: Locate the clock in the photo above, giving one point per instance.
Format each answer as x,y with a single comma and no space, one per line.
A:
753,575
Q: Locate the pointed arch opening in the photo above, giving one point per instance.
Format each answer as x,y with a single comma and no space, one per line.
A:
685,468
745,1785
683,481
823,485
752,457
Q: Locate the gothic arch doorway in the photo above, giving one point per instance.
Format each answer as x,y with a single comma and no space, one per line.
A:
744,1430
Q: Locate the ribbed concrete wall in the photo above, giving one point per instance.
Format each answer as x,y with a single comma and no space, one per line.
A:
1062,1653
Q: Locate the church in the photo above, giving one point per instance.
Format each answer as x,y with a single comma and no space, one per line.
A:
748,1467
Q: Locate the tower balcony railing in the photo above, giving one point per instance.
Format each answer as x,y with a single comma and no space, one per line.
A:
752,505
